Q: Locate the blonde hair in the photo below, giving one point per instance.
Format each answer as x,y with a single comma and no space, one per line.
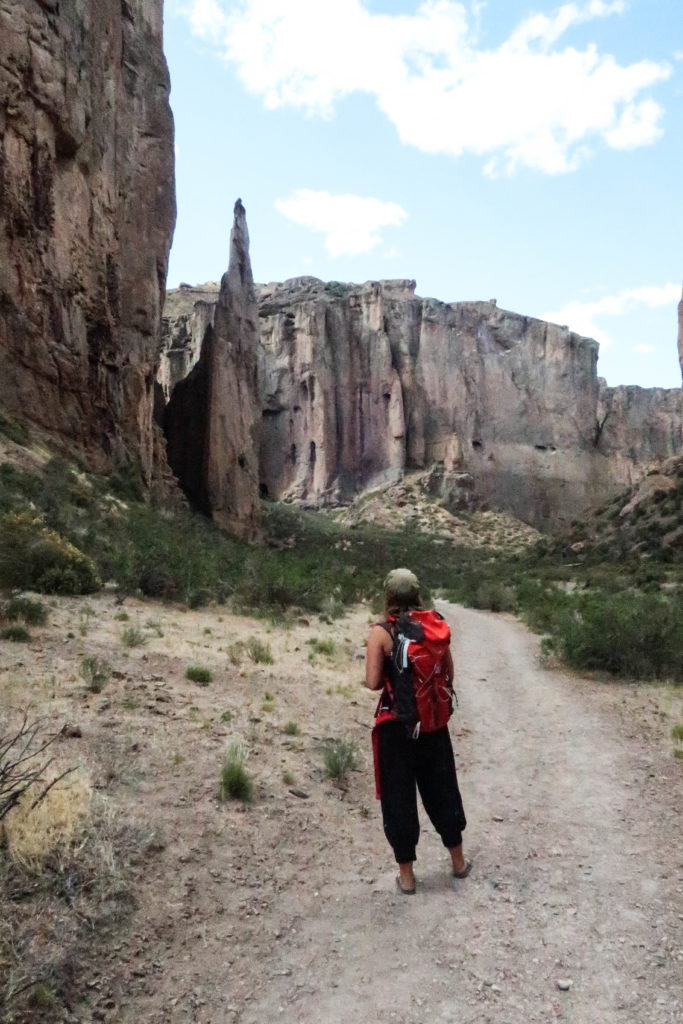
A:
393,605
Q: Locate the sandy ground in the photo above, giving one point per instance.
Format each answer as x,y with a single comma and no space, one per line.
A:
286,909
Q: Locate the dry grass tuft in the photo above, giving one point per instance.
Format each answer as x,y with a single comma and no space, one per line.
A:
33,832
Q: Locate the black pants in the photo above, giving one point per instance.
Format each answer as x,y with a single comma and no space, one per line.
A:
426,762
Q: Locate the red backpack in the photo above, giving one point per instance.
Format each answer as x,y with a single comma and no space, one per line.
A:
418,689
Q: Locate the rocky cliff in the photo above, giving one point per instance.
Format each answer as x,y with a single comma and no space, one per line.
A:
212,422
680,334
359,382
87,211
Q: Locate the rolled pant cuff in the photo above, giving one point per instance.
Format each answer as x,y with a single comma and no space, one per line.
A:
405,856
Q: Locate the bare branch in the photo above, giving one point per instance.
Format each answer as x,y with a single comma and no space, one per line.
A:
17,748
53,783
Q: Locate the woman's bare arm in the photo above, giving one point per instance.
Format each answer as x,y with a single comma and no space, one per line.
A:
379,646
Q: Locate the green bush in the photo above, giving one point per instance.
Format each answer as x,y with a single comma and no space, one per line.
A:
96,672
17,634
259,651
13,429
33,613
235,781
133,637
539,604
198,674
17,486
339,758
34,557
494,596
236,652
628,634
291,729
321,646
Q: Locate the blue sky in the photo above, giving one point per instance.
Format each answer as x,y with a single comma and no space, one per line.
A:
528,152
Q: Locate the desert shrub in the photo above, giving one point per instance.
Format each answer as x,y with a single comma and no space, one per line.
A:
17,487
156,580
628,634
169,554
539,604
37,558
333,607
96,672
677,732
198,674
16,634
276,579
321,646
259,651
494,596
33,613
85,614
236,652
291,729
13,429
339,758
133,637
235,782
126,482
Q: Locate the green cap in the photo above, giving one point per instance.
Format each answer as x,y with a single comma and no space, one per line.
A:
403,584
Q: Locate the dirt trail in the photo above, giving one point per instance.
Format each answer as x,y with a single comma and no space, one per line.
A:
289,912
286,909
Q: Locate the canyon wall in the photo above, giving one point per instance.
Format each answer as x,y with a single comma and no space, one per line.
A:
360,382
87,210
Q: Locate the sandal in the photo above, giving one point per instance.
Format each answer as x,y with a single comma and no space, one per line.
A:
404,892
465,872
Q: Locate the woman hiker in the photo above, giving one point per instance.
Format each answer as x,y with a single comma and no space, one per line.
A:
413,749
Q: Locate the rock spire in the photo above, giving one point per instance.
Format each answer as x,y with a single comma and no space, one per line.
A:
212,420
680,334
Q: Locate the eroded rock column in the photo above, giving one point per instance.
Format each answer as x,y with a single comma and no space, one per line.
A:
212,420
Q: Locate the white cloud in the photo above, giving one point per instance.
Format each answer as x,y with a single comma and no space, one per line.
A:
581,316
637,126
207,19
531,102
350,223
